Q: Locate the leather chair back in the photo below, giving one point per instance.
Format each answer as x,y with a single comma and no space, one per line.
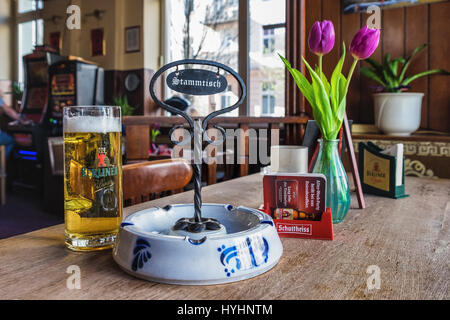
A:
150,180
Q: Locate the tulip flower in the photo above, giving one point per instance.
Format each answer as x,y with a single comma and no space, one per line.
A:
321,37
364,43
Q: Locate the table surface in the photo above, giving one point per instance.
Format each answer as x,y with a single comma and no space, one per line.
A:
408,239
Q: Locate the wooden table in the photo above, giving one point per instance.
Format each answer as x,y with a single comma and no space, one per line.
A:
408,239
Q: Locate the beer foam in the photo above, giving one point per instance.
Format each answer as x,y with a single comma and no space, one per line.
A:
92,124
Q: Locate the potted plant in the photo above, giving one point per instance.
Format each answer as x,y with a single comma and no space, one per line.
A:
396,112
17,94
328,102
155,132
127,110
122,102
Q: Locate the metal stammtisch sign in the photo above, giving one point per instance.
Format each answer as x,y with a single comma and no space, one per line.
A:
197,82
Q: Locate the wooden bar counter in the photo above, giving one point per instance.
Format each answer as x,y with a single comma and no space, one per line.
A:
408,239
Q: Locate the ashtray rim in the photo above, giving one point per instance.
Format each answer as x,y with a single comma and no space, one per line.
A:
264,221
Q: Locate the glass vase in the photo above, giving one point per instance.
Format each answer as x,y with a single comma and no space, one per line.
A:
338,191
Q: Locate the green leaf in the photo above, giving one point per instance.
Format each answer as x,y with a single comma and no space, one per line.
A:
408,60
369,73
425,73
375,64
336,79
377,69
301,81
388,79
341,110
322,103
324,80
393,65
387,59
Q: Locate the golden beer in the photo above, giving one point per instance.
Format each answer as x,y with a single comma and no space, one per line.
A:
92,177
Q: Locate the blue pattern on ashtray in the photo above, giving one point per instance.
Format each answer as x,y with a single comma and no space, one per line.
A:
250,255
141,254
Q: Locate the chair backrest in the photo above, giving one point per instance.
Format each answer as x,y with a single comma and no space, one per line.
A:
150,180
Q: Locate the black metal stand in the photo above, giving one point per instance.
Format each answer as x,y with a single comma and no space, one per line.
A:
197,129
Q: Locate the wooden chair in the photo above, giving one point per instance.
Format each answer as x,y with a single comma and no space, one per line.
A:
150,180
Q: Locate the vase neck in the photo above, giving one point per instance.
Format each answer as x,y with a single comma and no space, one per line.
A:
324,142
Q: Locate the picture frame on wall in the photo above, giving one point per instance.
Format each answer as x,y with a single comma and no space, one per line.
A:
55,40
98,46
132,39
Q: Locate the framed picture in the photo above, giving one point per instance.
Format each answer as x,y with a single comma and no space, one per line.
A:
97,42
351,6
132,39
55,40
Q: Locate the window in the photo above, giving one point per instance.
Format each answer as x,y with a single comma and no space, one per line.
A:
30,34
226,98
269,41
267,72
29,5
30,30
268,98
209,29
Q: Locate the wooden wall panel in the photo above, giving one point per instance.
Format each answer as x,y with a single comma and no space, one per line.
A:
439,104
350,24
295,33
393,32
366,85
403,29
331,10
416,34
313,14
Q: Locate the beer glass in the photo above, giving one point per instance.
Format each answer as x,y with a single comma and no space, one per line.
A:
92,176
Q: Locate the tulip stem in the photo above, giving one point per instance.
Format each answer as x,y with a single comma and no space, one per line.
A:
320,65
350,73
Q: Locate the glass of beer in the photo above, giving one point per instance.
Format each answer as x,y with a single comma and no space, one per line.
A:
92,176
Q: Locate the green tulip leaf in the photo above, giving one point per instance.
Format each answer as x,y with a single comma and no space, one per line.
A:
336,80
324,80
301,81
322,101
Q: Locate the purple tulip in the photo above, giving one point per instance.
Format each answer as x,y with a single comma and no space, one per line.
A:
321,37
364,43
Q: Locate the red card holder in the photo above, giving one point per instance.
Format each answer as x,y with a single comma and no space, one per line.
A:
285,200
306,229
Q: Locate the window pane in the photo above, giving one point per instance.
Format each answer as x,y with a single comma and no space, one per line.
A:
29,5
30,34
206,29
266,39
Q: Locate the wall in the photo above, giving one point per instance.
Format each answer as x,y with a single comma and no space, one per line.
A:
5,38
118,15
403,29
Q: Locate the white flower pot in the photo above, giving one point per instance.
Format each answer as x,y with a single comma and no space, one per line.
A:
398,114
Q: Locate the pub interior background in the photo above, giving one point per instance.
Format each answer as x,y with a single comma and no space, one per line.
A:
128,40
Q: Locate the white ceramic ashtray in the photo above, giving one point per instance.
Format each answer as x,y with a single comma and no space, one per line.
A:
245,245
